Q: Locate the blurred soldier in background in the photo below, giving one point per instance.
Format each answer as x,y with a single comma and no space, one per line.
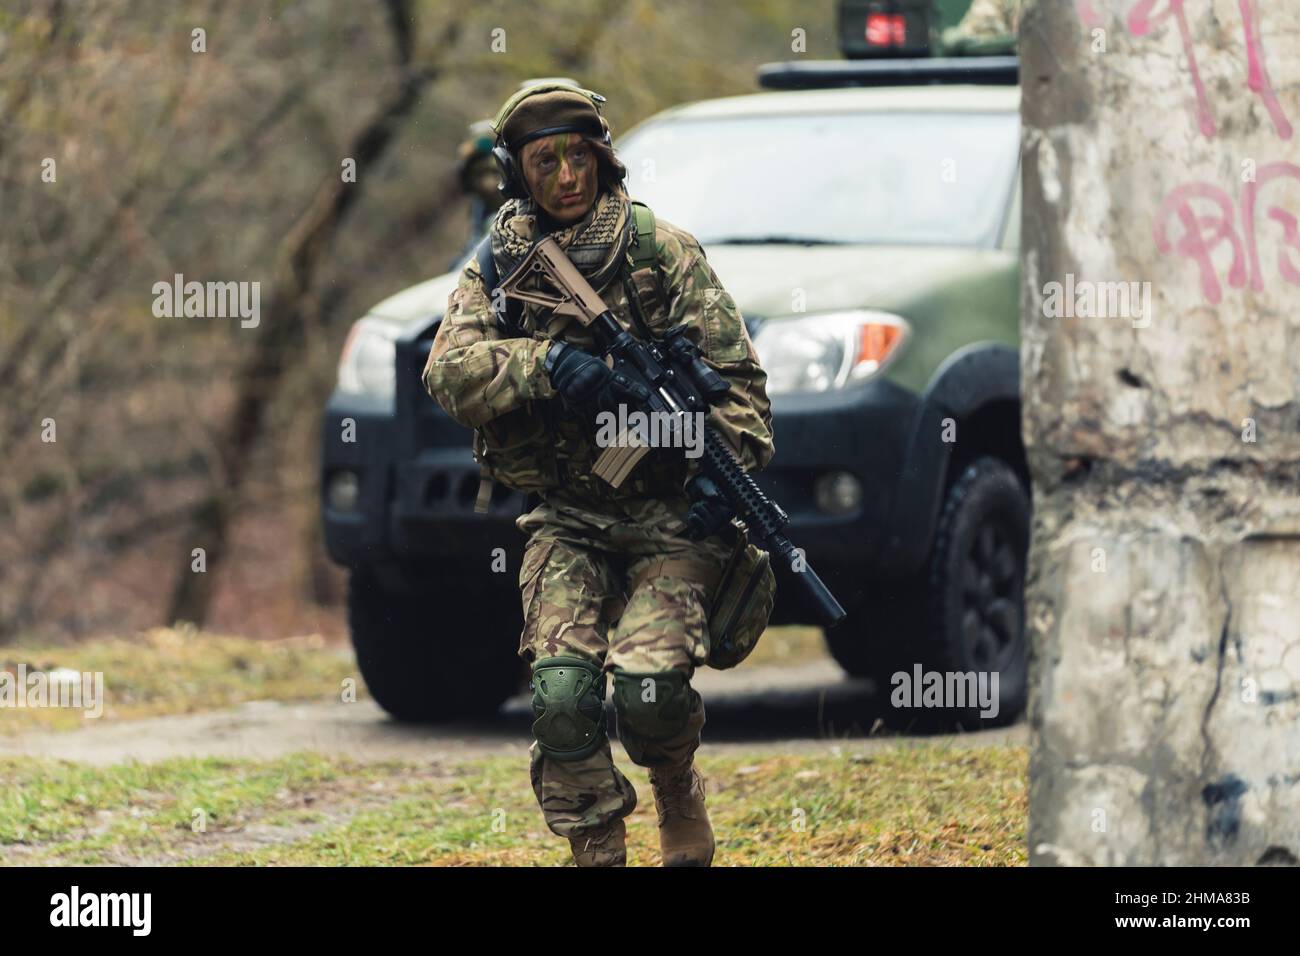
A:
990,27
481,180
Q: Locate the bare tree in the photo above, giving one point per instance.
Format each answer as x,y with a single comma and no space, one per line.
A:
297,261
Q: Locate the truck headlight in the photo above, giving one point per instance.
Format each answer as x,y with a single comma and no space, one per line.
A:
827,350
837,493
368,363
343,491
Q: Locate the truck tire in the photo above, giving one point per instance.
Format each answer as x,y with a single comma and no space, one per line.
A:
876,623
435,656
962,612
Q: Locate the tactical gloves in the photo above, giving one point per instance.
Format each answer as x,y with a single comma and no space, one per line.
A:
710,510
584,380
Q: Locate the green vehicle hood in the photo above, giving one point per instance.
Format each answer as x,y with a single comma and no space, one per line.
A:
763,279
949,296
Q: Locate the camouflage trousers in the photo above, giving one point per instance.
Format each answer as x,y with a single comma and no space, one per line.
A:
580,557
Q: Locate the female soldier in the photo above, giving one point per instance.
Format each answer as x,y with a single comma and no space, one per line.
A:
610,585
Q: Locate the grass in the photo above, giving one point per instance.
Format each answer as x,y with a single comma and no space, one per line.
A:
912,804
916,803
80,812
179,671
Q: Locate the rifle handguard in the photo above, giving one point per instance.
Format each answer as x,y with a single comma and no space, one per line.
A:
712,385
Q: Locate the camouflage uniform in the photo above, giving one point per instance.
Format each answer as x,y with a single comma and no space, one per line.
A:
588,541
986,20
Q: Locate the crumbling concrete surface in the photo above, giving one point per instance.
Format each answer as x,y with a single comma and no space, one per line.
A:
1160,359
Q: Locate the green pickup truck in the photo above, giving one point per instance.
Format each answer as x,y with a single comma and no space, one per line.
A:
865,217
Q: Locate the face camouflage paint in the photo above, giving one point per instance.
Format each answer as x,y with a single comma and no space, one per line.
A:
561,174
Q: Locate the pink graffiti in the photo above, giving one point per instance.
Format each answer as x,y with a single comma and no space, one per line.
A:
1203,234
1198,245
1141,22
1290,234
1257,74
1088,14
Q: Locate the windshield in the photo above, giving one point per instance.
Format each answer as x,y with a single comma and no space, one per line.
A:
876,178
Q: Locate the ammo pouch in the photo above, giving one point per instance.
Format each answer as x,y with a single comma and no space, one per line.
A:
518,450
743,589
742,604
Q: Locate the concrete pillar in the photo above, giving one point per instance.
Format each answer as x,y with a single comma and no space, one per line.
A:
1162,421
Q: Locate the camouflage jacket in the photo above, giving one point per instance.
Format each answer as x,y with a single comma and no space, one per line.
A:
525,438
989,19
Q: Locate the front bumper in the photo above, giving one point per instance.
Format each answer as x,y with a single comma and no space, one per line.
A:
410,509
863,432
416,492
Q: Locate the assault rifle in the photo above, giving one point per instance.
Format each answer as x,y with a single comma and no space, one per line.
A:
668,376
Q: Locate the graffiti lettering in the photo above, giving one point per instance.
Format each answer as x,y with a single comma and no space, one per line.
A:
1203,233
1146,15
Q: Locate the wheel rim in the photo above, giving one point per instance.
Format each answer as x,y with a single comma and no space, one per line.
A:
991,586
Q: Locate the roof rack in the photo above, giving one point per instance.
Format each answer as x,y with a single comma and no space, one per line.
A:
821,74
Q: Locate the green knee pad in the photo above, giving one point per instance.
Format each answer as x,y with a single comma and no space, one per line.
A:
651,706
569,703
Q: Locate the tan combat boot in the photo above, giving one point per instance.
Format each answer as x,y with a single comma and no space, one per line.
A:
685,836
605,847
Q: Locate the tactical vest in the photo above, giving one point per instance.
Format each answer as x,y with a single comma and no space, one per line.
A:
522,448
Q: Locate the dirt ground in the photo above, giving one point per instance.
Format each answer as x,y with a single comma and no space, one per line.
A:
788,708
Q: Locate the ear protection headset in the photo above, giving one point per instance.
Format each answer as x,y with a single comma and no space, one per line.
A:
512,182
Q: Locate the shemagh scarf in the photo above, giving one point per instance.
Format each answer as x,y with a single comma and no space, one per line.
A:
596,243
